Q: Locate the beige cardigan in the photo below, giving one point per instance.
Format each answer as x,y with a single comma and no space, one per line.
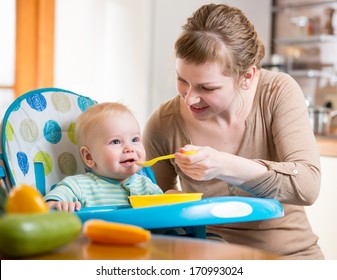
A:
278,134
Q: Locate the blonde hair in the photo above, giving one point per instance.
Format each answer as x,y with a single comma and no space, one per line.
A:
221,34
94,115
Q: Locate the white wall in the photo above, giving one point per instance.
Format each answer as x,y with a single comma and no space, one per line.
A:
102,50
323,214
122,49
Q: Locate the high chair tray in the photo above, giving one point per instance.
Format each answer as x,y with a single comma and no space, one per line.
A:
207,211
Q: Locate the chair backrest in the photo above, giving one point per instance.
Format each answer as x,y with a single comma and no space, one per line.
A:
38,140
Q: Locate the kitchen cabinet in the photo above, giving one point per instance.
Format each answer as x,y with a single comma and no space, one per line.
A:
304,33
323,38
293,46
305,38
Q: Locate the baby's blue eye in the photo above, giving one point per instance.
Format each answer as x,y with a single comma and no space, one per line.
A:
136,139
115,141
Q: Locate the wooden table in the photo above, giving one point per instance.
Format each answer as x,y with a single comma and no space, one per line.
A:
158,248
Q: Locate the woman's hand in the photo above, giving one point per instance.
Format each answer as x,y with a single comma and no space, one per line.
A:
208,164
64,205
205,165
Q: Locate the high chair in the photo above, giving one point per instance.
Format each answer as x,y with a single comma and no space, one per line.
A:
39,148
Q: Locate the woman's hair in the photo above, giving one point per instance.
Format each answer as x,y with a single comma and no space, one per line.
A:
93,116
221,34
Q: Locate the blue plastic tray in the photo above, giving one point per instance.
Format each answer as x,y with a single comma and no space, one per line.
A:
207,211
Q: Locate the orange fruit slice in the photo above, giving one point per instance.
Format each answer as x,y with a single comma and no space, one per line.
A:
105,232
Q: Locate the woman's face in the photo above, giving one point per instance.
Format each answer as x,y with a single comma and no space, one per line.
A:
204,88
115,145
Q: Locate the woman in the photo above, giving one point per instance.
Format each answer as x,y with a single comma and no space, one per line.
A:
250,127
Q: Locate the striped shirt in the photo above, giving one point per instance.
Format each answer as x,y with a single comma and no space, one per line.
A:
91,190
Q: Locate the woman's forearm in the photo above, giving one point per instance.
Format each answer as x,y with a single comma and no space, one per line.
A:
237,170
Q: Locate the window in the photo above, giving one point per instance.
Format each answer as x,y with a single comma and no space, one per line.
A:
27,54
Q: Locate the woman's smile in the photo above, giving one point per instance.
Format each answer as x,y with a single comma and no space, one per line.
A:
198,109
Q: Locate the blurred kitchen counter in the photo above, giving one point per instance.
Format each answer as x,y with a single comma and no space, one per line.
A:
327,145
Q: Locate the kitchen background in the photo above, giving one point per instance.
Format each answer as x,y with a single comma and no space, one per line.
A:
122,50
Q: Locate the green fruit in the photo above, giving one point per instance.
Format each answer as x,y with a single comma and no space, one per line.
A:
30,234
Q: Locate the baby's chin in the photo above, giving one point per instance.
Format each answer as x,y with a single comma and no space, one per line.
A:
126,173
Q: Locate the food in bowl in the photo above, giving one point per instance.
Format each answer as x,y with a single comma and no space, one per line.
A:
137,201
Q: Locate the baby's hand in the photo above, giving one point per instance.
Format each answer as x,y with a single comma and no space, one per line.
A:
64,205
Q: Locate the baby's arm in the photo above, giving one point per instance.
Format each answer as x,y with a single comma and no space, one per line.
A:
65,196
64,205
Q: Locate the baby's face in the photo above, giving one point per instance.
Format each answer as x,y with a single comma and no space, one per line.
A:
116,145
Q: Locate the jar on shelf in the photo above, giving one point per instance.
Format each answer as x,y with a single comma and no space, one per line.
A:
314,26
300,24
328,27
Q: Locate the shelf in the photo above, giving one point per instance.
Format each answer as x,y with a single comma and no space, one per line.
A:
283,8
307,40
310,73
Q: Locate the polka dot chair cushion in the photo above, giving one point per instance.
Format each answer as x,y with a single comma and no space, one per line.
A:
38,130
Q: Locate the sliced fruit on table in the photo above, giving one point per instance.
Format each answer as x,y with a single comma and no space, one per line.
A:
106,232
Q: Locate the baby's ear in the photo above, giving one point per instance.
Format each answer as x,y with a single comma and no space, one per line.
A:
86,157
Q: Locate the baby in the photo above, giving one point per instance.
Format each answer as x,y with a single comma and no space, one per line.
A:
109,140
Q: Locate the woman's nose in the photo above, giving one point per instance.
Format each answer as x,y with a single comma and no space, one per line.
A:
191,97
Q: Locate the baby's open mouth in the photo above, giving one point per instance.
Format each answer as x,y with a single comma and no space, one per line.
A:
128,161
